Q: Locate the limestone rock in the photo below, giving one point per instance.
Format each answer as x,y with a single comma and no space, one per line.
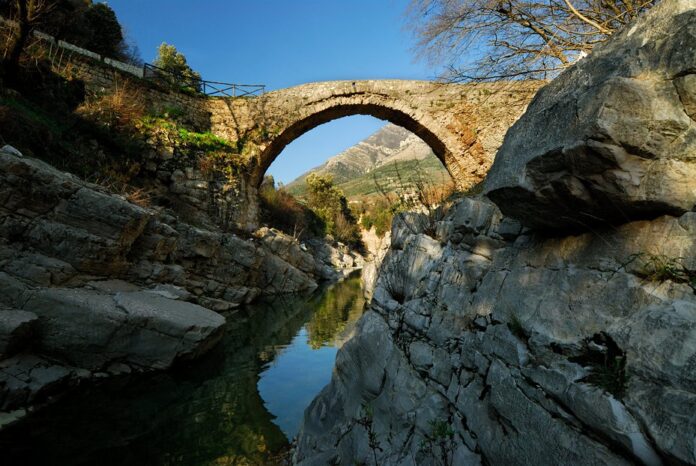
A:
493,337
28,379
11,150
91,329
16,328
54,213
613,138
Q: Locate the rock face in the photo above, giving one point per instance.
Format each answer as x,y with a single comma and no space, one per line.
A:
528,350
614,137
92,285
488,342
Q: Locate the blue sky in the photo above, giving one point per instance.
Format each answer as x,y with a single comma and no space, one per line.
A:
282,43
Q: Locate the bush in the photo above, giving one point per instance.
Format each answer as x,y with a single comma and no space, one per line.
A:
280,209
417,194
119,109
379,214
174,62
329,203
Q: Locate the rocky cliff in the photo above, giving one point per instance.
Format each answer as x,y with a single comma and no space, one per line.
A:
500,338
92,285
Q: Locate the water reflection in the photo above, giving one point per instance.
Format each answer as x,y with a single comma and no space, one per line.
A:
275,357
300,370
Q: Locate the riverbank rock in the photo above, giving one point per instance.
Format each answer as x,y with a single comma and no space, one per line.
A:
613,138
489,342
528,350
318,258
95,285
16,328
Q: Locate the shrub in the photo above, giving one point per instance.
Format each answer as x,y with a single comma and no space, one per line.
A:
417,194
174,62
607,363
439,442
280,209
379,214
660,268
118,109
329,203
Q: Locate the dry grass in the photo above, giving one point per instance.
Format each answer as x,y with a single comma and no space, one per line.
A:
118,109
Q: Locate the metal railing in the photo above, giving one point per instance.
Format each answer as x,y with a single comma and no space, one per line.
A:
57,49
209,88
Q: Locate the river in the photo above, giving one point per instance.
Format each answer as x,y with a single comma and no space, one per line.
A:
239,405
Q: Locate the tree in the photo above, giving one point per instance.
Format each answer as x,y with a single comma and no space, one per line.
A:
498,39
329,203
103,32
27,14
171,60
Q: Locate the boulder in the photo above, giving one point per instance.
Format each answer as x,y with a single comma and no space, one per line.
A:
613,138
92,329
16,328
64,218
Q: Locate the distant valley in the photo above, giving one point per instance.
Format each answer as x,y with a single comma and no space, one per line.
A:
389,158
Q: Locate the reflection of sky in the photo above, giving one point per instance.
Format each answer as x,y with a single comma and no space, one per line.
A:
293,379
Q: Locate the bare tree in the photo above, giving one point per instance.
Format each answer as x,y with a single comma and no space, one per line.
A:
27,14
499,39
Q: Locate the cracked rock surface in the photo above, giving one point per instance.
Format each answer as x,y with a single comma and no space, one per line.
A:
612,138
531,350
92,285
498,338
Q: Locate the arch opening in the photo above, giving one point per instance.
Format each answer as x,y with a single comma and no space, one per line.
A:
302,126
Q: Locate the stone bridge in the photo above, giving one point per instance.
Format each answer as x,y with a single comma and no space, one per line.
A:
464,124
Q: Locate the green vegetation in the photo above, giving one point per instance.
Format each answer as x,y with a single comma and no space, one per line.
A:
171,60
59,126
206,142
610,375
364,185
660,268
281,210
607,363
439,443
418,185
378,213
331,206
87,24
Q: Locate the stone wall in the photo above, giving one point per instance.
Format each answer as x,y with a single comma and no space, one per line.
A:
100,77
463,124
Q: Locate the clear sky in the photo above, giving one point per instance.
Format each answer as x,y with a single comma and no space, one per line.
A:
282,43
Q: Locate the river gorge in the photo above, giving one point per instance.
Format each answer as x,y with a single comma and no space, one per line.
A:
544,313
240,404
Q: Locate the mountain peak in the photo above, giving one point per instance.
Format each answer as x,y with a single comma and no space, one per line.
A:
388,145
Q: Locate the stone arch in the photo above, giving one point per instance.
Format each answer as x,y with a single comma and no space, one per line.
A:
318,118
464,124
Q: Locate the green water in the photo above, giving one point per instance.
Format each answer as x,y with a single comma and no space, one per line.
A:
238,405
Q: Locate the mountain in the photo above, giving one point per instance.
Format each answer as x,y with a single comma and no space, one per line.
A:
378,157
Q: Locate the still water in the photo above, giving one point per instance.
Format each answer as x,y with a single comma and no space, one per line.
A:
239,405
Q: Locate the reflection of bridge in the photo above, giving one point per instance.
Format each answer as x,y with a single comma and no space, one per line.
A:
463,123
